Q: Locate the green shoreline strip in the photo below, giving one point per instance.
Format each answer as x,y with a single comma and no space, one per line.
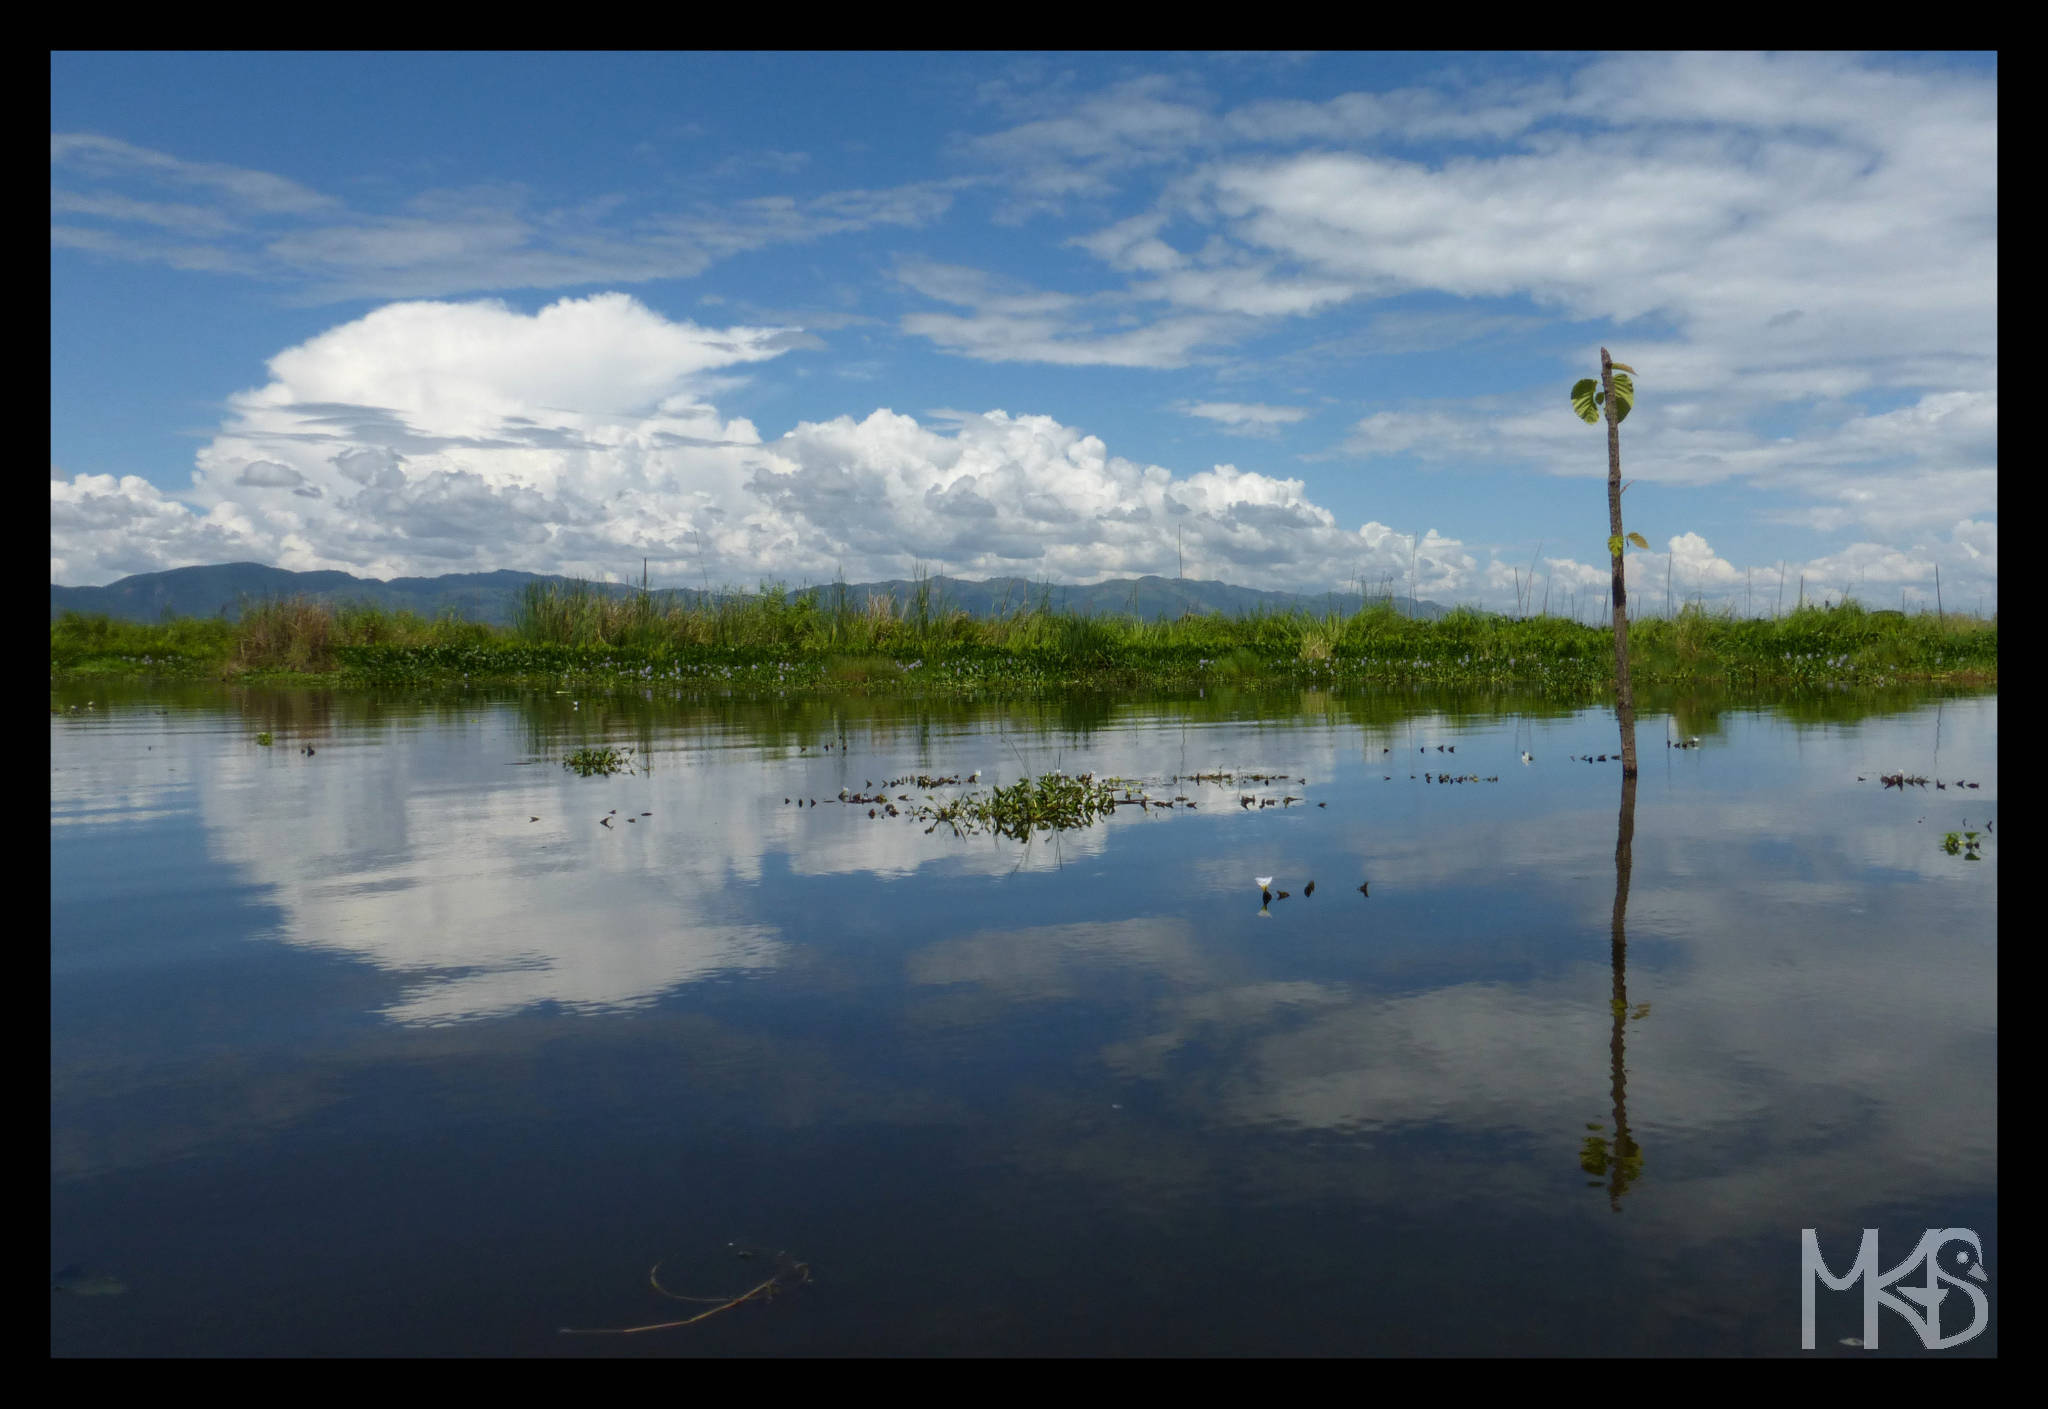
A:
772,642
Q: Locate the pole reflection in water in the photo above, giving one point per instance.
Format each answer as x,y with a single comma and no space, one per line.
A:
1615,1163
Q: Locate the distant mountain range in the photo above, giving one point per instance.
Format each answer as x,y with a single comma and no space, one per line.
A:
493,597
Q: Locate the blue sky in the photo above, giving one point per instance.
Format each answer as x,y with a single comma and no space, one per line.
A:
1286,320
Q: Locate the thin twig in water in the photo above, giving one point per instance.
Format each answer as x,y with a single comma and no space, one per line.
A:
800,1271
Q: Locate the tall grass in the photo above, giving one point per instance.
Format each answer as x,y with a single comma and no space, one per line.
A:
76,638
294,634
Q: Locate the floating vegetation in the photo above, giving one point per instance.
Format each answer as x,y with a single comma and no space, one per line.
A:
1051,802
264,738
599,761
788,1273
1967,845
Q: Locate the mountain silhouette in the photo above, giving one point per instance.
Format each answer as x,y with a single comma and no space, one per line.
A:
493,597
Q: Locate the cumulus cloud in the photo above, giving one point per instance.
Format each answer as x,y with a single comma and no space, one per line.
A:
268,474
1803,249
104,527
1025,494
426,438
1696,564
430,437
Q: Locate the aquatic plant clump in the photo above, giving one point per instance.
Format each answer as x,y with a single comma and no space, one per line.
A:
599,762
1052,802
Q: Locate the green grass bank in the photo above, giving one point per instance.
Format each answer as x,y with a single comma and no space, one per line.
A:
818,641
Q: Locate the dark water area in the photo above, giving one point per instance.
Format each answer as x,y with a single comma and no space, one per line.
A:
349,1056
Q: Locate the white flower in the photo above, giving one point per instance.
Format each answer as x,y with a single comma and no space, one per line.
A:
1265,882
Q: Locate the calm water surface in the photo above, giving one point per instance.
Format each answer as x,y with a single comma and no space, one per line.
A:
349,1055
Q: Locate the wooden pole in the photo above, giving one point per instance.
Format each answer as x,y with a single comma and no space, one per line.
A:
1624,687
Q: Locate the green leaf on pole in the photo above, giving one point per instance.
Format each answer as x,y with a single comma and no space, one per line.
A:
1614,546
1624,397
1586,400
1639,540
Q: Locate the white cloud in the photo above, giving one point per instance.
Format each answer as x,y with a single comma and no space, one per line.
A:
1803,246
1242,418
256,191
268,474
444,436
441,242
1009,321
996,337
434,437
1812,226
103,527
1697,569
1078,145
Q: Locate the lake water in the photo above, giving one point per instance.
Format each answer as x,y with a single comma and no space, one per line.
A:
349,1055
